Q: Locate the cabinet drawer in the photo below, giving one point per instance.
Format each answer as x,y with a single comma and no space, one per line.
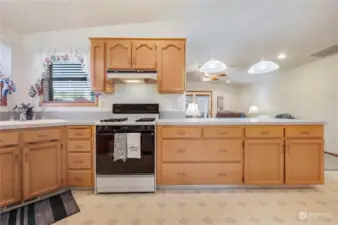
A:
79,146
216,150
80,178
223,132
264,132
304,131
79,133
202,173
9,138
79,161
42,135
181,132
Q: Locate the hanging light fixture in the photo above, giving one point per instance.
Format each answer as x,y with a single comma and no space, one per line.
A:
213,66
263,66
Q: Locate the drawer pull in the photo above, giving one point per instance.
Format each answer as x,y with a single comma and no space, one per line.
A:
78,146
265,132
181,133
181,150
78,161
305,132
78,178
1,141
43,135
222,133
181,174
223,150
78,134
222,174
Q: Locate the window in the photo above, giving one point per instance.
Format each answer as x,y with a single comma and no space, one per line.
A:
5,67
67,84
203,100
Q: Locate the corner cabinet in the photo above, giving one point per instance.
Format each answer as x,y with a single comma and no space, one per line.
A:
9,176
42,169
171,67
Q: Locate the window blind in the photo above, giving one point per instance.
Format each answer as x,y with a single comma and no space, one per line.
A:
66,82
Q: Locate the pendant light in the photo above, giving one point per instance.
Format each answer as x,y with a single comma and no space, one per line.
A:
263,66
193,110
213,66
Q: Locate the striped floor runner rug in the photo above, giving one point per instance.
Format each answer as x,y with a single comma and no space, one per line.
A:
44,212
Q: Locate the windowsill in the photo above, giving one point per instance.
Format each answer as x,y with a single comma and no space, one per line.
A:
69,104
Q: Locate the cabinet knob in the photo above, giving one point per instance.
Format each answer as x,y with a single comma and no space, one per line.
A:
265,132
305,132
222,150
78,134
222,133
222,174
181,150
181,174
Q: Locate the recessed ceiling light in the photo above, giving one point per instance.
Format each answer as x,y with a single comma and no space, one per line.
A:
281,56
228,81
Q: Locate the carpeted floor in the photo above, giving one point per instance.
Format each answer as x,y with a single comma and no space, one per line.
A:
331,163
317,206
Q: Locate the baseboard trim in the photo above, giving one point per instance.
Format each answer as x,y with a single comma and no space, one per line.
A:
333,154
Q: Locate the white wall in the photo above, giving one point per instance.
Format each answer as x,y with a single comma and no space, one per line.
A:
14,40
229,92
65,40
307,92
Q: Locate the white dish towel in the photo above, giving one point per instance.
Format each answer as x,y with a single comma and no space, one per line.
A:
134,145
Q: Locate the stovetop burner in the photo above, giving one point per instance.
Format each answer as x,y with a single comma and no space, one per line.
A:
115,120
145,120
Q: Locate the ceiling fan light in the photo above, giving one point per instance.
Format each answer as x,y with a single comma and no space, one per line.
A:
213,66
262,67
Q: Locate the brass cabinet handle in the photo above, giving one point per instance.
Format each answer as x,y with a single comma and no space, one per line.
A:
1,141
43,135
78,161
17,158
78,134
78,146
181,150
26,156
222,133
222,174
181,133
222,150
78,178
181,174
265,132
305,132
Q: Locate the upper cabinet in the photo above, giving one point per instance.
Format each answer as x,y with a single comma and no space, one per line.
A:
144,55
119,54
171,67
166,56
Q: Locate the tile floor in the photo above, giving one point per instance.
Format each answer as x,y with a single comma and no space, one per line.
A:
331,162
314,206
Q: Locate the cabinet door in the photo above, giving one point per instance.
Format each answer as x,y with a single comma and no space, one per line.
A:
264,162
42,169
97,65
119,54
171,67
9,176
304,162
144,55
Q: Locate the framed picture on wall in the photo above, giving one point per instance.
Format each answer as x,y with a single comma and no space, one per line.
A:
220,103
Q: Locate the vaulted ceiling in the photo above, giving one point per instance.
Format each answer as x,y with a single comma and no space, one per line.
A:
228,30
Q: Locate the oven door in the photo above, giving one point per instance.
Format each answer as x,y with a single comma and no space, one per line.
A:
105,164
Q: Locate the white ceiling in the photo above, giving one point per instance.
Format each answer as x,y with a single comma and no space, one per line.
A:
229,30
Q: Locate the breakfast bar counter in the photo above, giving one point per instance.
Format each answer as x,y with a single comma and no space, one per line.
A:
239,152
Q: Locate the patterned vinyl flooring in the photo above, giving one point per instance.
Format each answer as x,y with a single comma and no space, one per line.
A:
312,206
331,162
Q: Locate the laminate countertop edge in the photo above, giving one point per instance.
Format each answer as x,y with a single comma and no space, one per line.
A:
7,125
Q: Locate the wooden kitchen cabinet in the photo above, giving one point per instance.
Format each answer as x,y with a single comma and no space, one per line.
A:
144,55
171,66
9,176
42,168
304,162
118,54
97,65
264,162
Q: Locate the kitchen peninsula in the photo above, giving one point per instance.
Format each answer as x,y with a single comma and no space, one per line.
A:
239,151
42,156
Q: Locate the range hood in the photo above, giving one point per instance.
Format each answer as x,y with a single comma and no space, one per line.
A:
132,77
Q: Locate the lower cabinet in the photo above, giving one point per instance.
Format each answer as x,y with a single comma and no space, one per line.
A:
9,176
202,173
264,162
304,162
42,168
